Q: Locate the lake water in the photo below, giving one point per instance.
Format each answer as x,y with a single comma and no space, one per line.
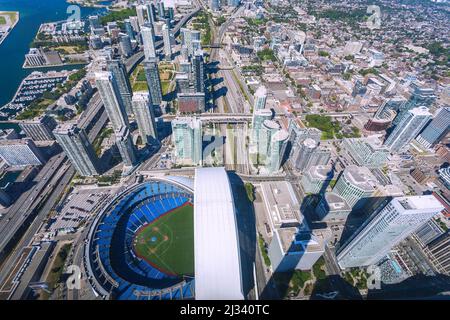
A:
16,45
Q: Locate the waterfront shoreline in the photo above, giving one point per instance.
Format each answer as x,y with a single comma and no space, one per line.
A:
11,28
83,4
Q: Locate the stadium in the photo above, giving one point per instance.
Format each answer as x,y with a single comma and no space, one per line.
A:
141,245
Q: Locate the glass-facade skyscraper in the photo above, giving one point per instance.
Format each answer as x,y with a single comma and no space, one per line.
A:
78,149
153,80
110,94
436,129
410,126
187,139
388,225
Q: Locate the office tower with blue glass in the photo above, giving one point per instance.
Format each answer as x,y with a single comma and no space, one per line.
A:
77,147
129,29
126,47
409,127
260,98
153,80
386,227
167,39
145,118
187,139
126,147
120,75
110,94
420,96
151,15
198,67
436,129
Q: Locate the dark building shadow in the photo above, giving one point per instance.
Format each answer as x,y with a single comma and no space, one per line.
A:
170,96
246,230
334,287
220,93
216,81
278,285
212,67
415,287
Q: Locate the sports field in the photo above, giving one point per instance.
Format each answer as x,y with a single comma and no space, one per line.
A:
168,243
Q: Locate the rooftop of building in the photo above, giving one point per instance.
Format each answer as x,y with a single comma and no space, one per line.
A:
321,172
281,203
270,124
280,135
293,240
419,202
336,202
361,177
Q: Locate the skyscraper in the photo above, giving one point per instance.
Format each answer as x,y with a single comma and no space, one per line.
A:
264,138
187,139
167,38
355,185
420,96
199,72
260,98
259,116
39,129
387,226
119,72
436,129
111,97
153,80
410,126
215,5
135,23
188,36
185,67
161,10
125,146
140,15
182,81
94,22
129,29
276,152
77,148
145,118
151,13
366,151
309,154
125,45
20,152
148,39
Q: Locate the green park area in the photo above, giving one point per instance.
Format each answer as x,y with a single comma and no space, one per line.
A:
331,129
113,16
138,80
325,124
201,23
12,15
54,278
266,54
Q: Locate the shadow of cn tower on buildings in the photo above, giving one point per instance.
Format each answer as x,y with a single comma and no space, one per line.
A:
245,218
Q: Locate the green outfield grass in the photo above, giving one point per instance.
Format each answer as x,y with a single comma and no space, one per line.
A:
168,243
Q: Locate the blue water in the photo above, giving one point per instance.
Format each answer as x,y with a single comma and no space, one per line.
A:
13,49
